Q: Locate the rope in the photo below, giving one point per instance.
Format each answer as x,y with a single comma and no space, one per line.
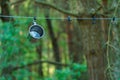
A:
58,18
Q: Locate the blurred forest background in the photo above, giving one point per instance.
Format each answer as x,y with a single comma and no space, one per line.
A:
71,49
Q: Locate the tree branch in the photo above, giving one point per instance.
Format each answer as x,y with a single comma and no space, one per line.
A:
10,69
59,9
38,62
17,2
56,8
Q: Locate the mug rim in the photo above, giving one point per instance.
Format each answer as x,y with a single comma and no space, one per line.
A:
38,26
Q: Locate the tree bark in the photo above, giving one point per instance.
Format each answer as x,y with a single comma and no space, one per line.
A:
92,47
93,40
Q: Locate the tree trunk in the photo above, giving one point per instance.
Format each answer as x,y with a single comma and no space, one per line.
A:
92,47
69,31
115,58
93,42
5,9
73,37
53,39
39,51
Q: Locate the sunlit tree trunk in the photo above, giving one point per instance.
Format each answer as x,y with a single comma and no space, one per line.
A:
39,53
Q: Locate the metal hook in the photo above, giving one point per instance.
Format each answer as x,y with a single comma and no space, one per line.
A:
114,20
93,20
34,20
69,18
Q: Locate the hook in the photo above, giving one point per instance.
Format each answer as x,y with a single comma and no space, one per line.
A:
69,18
34,20
34,17
114,20
93,20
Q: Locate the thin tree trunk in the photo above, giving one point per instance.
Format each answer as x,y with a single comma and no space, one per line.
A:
69,31
48,66
39,51
53,39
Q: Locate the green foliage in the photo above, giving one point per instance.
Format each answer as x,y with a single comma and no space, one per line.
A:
15,47
71,73
63,75
22,74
